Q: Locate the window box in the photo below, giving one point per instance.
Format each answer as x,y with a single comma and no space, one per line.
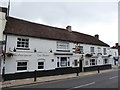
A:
9,54
88,55
109,55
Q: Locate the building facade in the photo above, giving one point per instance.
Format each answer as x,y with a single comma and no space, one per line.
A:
49,50
116,54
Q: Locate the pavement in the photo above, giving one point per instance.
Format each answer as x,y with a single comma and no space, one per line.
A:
20,82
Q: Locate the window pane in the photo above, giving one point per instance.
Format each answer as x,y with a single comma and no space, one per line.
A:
22,63
75,63
92,49
21,68
40,67
57,64
40,63
19,39
23,39
63,61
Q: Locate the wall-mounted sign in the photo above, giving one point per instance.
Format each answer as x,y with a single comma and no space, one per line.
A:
25,55
43,55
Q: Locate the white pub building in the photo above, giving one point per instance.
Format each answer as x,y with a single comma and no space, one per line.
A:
49,50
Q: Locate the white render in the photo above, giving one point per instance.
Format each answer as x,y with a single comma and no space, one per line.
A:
2,24
43,47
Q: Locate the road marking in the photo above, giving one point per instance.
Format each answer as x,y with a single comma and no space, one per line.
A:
113,77
84,85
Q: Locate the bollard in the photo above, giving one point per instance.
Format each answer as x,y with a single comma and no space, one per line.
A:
77,72
98,70
35,76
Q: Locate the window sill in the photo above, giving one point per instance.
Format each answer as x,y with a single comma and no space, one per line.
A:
21,71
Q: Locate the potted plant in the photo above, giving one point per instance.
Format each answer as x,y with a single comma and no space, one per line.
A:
9,54
109,55
88,55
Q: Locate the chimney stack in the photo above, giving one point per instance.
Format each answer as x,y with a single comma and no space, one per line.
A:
69,28
117,44
97,36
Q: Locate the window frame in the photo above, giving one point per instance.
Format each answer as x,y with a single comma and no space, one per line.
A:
81,49
17,66
75,62
104,51
105,61
92,63
43,61
92,49
22,43
59,63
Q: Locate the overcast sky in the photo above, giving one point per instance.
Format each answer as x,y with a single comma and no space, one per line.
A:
86,17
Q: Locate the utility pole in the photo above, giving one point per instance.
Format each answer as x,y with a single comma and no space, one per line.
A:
8,11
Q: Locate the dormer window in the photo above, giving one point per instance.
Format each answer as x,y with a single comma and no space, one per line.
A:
22,43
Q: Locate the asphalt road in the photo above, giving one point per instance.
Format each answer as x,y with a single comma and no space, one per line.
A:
104,80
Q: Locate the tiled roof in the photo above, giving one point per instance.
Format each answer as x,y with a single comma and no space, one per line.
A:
25,28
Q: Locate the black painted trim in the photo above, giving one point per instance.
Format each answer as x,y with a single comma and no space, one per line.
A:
95,68
63,50
63,53
57,71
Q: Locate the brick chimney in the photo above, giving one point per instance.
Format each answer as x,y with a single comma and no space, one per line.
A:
69,28
96,36
116,45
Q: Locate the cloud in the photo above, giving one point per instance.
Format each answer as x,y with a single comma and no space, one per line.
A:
85,17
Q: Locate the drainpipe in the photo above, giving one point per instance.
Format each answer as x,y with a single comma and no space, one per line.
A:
4,58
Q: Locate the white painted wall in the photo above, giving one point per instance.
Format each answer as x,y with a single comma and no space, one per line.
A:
114,53
2,24
43,46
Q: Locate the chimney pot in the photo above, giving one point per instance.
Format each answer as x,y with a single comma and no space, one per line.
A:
69,28
97,36
116,44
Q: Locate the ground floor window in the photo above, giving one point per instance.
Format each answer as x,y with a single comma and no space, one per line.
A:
22,65
92,62
86,62
75,62
40,64
63,61
105,61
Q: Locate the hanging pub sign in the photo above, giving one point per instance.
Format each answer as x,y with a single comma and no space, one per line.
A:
77,49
